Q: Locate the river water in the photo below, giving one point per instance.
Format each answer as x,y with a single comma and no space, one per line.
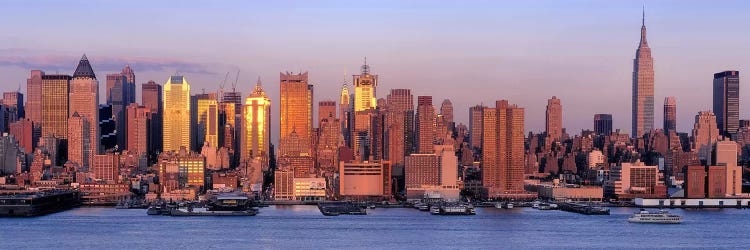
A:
295,227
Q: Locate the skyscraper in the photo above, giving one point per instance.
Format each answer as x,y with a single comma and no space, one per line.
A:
670,115
151,98
503,149
446,110
212,123
138,118
34,96
176,119
475,126
120,94
199,118
553,124
296,107
425,125
256,127
603,124
705,134
84,100
365,86
399,123
14,101
107,128
643,86
727,102
345,113
54,105
326,110
79,140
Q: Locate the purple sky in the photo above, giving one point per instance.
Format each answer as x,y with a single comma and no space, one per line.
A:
470,52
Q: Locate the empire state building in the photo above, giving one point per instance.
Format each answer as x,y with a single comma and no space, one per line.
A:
643,86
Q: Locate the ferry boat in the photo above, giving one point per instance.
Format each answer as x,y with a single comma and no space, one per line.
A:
453,209
660,217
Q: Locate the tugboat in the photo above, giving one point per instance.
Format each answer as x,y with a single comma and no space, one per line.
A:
660,217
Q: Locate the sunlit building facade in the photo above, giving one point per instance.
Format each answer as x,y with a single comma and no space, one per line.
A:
256,126
176,119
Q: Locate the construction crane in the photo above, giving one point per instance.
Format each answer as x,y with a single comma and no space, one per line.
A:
221,87
234,85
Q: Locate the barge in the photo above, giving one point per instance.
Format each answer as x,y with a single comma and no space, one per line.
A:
335,208
37,203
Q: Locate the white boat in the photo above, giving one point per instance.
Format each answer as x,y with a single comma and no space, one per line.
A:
435,210
509,205
498,205
535,204
660,217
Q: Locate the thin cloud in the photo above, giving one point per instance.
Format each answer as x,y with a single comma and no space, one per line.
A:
101,64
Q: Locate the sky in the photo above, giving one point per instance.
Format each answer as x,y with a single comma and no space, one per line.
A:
470,52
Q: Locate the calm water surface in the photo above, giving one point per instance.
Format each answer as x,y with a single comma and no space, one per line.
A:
285,227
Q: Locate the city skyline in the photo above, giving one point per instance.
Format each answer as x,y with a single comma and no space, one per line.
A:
618,31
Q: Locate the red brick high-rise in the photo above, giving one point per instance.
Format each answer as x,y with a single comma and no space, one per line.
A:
503,149
425,125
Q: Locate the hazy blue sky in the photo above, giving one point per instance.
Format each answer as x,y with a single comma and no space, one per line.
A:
468,51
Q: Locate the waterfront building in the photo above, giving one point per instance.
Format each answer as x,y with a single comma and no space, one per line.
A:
726,102
643,87
553,119
310,189
84,100
365,180
603,124
726,155
296,107
503,150
636,180
670,115
558,192
283,185
176,119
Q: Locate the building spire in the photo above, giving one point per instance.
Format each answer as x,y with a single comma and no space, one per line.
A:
644,42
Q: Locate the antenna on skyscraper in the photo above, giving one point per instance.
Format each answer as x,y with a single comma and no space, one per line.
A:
643,17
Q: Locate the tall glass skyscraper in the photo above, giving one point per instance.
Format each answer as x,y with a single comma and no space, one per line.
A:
727,102
176,119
